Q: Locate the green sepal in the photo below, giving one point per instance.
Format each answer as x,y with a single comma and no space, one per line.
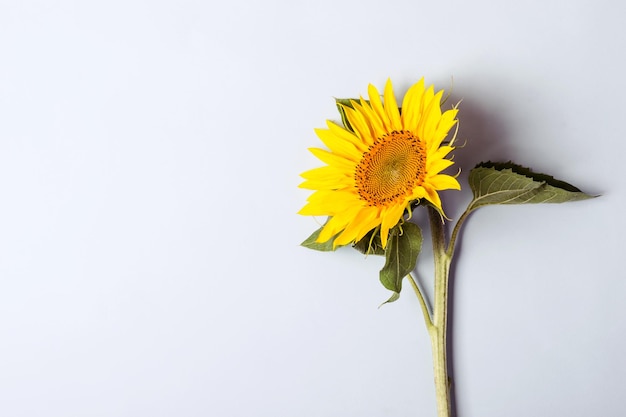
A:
312,243
425,203
370,244
508,183
403,247
345,102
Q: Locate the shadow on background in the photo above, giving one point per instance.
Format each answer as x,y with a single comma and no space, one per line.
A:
482,136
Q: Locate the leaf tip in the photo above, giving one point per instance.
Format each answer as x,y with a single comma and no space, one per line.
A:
394,297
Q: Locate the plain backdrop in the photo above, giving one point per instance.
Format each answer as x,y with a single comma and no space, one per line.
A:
150,264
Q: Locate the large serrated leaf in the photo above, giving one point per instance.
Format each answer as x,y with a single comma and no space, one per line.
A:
312,243
508,183
403,247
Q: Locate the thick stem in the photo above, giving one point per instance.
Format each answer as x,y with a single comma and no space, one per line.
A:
438,332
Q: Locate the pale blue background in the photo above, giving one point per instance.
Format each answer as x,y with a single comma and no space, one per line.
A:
149,258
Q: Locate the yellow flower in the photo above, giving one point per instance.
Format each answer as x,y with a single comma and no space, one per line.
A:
388,159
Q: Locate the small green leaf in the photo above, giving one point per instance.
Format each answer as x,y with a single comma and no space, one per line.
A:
370,244
508,183
403,247
311,242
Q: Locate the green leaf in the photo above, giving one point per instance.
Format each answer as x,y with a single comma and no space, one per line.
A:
391,299
370,244
403,247
508,183
311,242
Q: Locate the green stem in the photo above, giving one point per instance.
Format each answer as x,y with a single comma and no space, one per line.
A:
457,229
438,331
420,297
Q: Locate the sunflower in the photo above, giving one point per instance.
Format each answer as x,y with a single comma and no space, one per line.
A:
385,159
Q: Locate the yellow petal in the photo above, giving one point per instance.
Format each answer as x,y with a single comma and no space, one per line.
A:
377,106
412,106
432,115
327,177
338,146
391,217
312,210
331,228
371,219
329,202
333,159
364,221
346,135
427,97
418,193
444,182
438,165
446,122
441,152
371,118
337,223
332,184
360,126
391,107
340,198
432,196
323,173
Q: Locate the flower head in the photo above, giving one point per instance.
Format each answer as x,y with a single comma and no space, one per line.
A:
387,158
